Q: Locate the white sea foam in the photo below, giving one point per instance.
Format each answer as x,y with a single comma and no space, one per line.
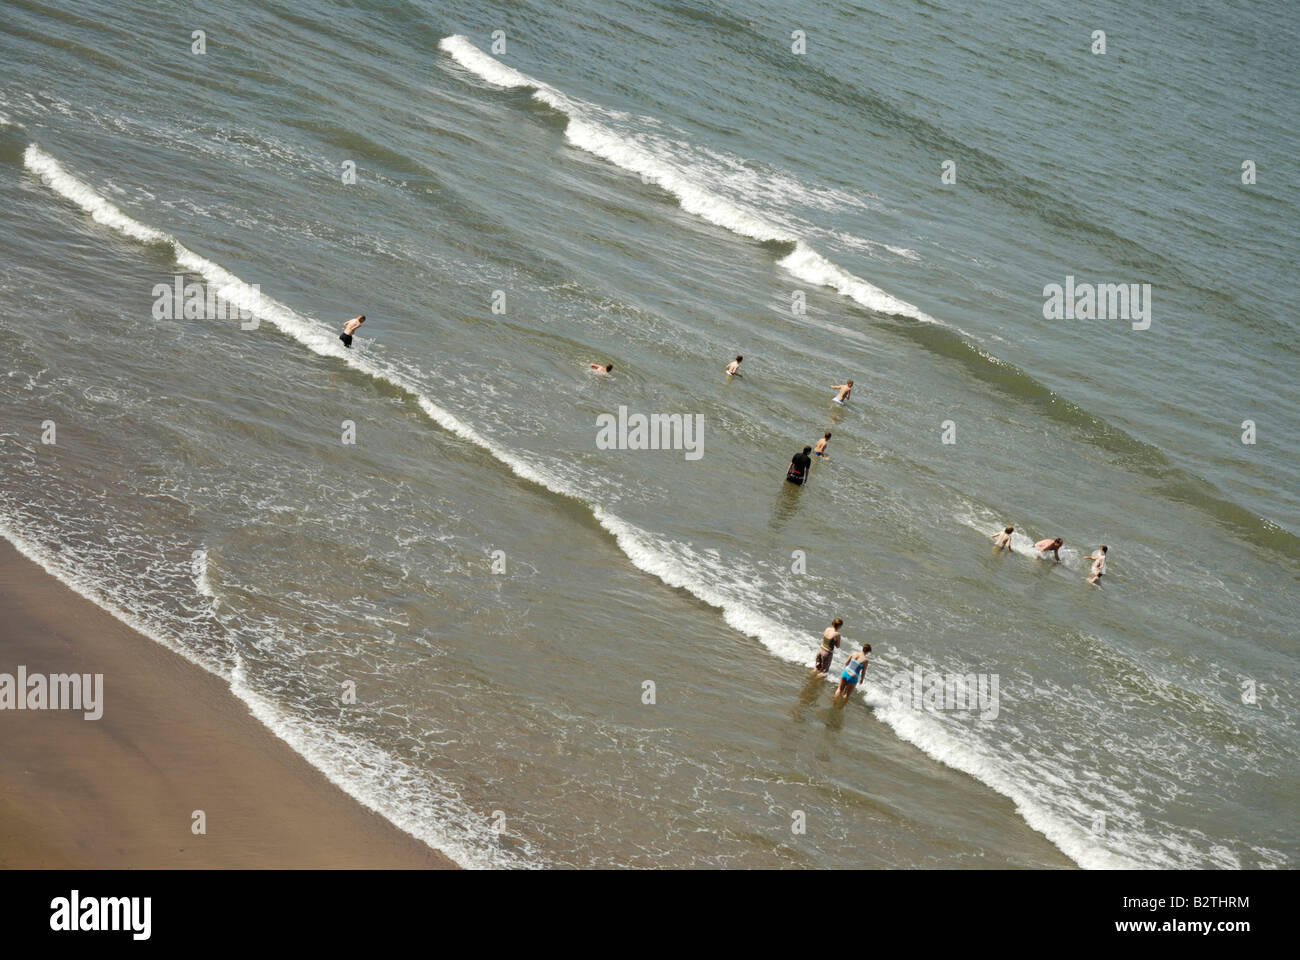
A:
100,210
706,204
97,594
688,182
488,67
201,582
586,133
862,243
809,265
389,782
1021,543
982,763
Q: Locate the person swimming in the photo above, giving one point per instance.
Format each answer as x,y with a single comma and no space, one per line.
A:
603,371
854,668
819,448
844,389
350,327
1003,540
733,368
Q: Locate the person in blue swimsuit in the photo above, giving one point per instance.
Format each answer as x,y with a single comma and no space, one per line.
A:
854,667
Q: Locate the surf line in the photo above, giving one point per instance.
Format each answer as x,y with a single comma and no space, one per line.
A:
803,262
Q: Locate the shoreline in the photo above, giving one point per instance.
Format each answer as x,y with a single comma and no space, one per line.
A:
120,791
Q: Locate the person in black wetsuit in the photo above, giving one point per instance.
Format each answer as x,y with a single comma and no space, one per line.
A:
800,467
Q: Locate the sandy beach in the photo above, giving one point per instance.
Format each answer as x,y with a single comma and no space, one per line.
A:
120,791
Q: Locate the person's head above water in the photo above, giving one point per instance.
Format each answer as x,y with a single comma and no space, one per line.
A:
739,358
361,318
1057,542
837,623
866,648
609,367
1103,548
1009,529
807,449
848,383
828,434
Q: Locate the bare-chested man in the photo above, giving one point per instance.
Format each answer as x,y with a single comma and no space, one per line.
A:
819,448
1002,541
350,327
844,389
1042,546
733,368
603,371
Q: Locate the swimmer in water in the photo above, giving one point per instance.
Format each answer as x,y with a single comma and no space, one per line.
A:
350,328
854,667
597,368
1003,540
830,641
733,368
844,389
819,448
1042,546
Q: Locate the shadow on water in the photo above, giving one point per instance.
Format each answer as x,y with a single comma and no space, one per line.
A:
787,504
834,713
815,700
813,685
